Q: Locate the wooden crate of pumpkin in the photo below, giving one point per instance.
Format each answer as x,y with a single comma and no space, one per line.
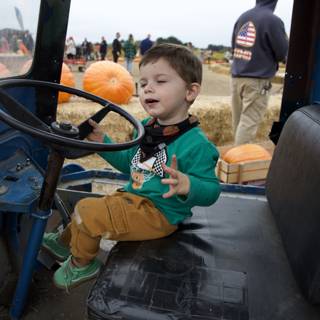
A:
243,164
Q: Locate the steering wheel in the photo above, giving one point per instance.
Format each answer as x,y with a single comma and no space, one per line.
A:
62,134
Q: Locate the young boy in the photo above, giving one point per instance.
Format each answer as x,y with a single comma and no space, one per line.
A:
171,171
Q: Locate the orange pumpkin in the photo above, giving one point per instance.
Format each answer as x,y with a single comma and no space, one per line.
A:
4,71
110,81
66,79
246,153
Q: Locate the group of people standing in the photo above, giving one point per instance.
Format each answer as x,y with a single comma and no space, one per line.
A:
16,41
129,49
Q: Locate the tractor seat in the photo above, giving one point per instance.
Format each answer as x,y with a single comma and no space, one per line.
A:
245,257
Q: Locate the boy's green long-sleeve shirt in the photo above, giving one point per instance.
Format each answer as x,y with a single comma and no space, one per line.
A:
196,157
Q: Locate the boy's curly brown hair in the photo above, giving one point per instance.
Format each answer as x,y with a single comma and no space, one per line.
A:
180,58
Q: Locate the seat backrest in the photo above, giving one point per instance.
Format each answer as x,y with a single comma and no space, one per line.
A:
293,192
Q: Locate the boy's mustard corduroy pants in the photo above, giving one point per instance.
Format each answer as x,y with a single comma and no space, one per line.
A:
121,216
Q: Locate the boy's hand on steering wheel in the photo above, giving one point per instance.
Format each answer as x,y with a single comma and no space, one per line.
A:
97,134
179,183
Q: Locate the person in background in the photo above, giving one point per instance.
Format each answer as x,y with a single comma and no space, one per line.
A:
259,43
91,51
13,43
130,52
4,45
85,49
70,48
202,55
190,46
116,48
103,48
28,41
171,171
227,56
145,44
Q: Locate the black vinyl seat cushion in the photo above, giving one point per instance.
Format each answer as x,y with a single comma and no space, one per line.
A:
293,188
233,245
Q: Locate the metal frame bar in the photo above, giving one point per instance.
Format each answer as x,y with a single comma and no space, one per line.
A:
302,78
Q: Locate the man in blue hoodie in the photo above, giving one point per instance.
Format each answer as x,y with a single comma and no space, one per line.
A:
259,43
146,44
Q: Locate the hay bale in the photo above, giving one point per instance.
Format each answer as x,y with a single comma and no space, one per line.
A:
214,114
78,110
226,69
220,68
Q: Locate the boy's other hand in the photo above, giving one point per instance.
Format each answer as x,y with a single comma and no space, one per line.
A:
97,134
179,183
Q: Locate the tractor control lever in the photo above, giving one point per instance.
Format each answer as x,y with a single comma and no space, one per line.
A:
85,128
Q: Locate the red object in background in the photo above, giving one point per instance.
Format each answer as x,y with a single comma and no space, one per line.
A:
4,71
23,48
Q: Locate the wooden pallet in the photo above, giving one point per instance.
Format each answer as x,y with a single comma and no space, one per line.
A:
242,172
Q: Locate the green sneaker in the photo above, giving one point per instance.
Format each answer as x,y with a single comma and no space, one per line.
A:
50,242
70,276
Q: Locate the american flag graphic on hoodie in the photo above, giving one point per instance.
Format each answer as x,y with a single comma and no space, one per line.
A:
246,35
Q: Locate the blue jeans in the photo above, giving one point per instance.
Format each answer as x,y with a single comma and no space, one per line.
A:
129,64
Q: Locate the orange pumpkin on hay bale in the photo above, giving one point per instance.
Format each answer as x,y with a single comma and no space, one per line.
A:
4,71
66,79
110,81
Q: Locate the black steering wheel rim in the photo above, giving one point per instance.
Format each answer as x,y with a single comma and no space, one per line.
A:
64,141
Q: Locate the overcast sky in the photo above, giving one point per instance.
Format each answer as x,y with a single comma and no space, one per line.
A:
202,22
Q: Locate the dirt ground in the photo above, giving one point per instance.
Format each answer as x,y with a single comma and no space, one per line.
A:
214,84
49,303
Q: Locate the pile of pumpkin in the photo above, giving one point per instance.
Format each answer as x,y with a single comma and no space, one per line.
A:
105,79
